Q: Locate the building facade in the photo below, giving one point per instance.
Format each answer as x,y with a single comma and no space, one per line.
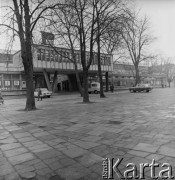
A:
53,69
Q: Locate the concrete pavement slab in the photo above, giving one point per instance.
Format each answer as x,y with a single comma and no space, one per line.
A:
69,139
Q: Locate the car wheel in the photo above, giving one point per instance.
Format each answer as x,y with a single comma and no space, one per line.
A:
48,96
134,91
147,91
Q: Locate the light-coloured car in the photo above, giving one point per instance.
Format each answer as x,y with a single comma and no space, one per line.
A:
44,92
94,87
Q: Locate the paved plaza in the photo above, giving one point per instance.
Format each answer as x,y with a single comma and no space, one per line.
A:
65,139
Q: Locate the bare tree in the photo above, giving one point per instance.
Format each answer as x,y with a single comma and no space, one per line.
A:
107,15
22,18
61,21
83,26
168,69
137,38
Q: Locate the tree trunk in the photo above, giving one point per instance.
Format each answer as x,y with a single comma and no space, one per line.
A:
100,78
85,87
137,75
78,81
30,102
99,64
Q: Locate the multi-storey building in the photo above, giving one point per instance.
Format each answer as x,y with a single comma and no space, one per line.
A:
52,69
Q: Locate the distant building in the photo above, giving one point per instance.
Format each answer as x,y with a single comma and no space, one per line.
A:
124,75
11,79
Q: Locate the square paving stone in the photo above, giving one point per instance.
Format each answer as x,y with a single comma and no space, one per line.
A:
6,169
70,173
86,144
138,153
146,147
89,159
75,152
21,158
15,152
156,157
10,146
167,151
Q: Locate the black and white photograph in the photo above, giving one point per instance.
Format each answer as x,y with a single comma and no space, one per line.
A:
87,89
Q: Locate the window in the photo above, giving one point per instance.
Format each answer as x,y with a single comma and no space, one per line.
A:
66,56
43,54
7,83
95,59
102,60
59,56
78,58
108,61
56,57
47,55
39,54
51,55
16,83
94,85
63,56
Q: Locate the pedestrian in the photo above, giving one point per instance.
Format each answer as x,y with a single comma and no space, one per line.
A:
1,98
39,94
112,88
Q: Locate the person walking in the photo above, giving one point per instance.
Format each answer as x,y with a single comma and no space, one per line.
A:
39,94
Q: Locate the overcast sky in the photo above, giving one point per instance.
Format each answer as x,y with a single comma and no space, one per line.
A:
162,19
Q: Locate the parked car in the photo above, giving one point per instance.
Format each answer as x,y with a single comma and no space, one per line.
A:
94,87
141,88
44,92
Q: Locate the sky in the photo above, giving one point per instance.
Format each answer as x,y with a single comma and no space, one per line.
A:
161,14
162,20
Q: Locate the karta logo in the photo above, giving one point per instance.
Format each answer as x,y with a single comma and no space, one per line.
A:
112,169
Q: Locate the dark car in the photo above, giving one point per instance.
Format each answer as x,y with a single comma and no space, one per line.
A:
141,88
